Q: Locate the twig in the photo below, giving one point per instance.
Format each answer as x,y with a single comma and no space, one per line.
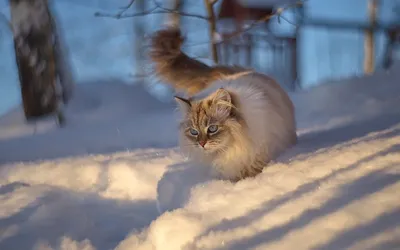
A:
158,9
119,16
158,5
128,6
125,8
149,12
167,10
278,12
285,19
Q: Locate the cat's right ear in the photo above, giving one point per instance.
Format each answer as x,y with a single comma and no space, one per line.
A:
184,104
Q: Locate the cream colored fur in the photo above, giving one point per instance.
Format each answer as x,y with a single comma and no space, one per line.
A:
268,126
254,114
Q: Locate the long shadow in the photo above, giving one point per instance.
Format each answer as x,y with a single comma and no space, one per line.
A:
96,124
351,236
360,188
322,140
301,191
174,187
392,244
8,188
79,216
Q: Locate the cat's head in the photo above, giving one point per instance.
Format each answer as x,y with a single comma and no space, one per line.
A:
209,125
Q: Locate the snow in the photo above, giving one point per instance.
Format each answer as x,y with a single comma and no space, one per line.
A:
112,109
114,179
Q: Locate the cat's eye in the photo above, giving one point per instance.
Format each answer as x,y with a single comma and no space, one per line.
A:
193,132
212,129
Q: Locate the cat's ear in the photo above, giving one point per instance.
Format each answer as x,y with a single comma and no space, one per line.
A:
222,95
223,102
184,104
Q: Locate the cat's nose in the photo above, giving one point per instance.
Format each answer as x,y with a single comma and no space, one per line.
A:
202,143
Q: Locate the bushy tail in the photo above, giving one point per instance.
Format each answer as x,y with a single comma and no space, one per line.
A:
179,70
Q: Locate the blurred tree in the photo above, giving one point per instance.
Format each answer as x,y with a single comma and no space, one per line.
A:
212,22
393,39
42,71
177,5
65,74
139,33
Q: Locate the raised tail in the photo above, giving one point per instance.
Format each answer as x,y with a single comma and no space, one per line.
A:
179,70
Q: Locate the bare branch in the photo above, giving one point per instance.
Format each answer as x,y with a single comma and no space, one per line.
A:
157,4
280,16
125,8
278,13
175,10
119,16
159,9
148,12
128,6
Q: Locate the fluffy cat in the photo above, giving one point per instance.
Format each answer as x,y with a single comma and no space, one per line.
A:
236,120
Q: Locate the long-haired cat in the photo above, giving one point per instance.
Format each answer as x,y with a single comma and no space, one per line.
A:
236,120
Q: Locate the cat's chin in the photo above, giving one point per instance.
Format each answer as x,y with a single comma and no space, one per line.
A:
210,150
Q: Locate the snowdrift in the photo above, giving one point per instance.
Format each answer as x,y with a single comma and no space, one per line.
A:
114,179
104,116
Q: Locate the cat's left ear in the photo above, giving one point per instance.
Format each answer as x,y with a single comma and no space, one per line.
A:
223,102
222,95
184,104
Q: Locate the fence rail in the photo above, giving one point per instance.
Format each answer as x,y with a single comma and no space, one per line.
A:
275,56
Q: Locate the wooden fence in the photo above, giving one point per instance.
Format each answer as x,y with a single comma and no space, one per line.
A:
275,56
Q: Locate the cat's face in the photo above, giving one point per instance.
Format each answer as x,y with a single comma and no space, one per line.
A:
208,124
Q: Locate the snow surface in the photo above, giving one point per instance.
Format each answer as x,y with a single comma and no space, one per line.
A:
114,179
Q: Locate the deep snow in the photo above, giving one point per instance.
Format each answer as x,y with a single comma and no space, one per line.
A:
113,178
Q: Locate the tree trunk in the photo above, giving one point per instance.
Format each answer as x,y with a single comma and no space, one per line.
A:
209,4
34,43
389,49
175,19
64,70
139,33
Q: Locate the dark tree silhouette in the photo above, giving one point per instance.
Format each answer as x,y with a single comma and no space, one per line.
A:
43,73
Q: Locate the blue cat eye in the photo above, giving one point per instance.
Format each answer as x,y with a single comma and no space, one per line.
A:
193,131
212,129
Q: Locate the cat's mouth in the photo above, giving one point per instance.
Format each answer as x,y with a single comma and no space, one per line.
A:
203,147
208,148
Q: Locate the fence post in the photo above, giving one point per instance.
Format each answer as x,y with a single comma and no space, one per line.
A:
369,45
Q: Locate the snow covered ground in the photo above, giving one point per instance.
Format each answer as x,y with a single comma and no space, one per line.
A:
114,179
